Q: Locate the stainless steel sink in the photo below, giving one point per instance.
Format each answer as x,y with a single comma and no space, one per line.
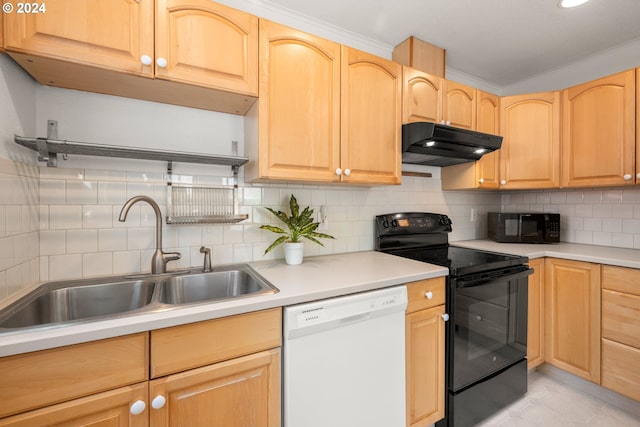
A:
71,302
221,284
57,302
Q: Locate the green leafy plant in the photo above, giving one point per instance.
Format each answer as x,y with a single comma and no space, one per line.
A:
299,224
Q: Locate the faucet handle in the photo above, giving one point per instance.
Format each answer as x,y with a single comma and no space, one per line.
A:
207,258
171,256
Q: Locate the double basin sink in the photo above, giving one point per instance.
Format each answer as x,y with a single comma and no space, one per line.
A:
64,302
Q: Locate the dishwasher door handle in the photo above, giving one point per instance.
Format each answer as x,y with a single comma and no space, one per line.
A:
356,318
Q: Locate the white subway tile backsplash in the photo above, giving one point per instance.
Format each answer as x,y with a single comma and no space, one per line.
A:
233,234
14,220
190,236
97,216
140,238
53,191
82,192
65,267
53,242
82,241
97,264
65,217
112,193
125,262
631,226
112,239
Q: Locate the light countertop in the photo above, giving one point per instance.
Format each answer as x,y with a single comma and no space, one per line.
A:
316,278
589,253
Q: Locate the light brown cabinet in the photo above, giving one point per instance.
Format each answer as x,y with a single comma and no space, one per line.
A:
315,120
530,152
189,52
91,381
485,172
459,105
425,329
637,125
535,330
621,330
598,132
421,96
230,376
572,322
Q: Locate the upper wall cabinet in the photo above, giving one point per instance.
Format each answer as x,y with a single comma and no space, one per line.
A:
326,113
207,44
105,33
459,105
294,128
530,152
192,52
421,96
371,113
598,137
483,173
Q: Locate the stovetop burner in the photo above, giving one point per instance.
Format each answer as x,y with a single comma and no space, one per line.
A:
423,237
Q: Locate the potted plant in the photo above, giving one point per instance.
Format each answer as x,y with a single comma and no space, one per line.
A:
299,224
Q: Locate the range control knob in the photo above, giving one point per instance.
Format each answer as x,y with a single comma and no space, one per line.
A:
385,223
394,223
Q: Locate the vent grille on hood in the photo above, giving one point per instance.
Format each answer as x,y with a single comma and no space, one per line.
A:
431,144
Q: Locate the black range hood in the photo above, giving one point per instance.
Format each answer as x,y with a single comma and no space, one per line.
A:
432,144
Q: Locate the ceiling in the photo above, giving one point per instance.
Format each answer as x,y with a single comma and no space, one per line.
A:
499,41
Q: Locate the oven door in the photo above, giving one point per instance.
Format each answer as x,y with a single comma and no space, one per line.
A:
488,327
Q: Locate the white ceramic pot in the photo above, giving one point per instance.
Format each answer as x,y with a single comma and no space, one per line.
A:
293,253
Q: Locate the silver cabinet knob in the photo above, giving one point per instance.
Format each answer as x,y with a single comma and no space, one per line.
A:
429,295
161,62
627,177
481,180
338,171
503,182
445,317
347,172
146,60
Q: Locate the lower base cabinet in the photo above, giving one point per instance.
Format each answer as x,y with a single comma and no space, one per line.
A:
425,331
535,327
218,373
621,330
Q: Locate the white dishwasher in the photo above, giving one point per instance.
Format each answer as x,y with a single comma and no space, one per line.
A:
344,361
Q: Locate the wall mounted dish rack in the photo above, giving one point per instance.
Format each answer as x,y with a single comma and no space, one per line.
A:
186,203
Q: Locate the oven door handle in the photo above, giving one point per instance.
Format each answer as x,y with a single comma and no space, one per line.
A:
481,279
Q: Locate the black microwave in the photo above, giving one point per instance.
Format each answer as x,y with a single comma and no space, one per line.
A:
524,227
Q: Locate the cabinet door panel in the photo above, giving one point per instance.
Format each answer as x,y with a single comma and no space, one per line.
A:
425,366
371,118
620,368
207,44
108,409
488,167
572,306
243,392
598,136
106,33
530,153
299,105
459,105
422,97
535,330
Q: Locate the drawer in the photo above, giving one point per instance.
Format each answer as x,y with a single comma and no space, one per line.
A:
621,317
425,294
621,279
620,369
194,345
42,378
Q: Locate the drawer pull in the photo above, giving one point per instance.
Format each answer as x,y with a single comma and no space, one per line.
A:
429,295
445,317
137,407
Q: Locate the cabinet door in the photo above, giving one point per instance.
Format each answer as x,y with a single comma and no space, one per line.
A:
488,114
207,44
459,105
111,408
422,97
530,153
637,125
371,117
425,366
572,306
598,132
535,330
298,108
242,392
110,34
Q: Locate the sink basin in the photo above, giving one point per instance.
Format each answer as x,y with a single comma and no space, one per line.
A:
230,282
57,302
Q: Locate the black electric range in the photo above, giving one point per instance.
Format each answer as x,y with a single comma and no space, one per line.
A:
486,299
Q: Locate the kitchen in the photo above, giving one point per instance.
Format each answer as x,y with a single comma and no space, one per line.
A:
61,223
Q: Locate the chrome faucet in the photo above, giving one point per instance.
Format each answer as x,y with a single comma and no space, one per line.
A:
160,258
207,259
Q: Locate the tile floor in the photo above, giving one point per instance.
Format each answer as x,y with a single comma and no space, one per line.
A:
554,401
